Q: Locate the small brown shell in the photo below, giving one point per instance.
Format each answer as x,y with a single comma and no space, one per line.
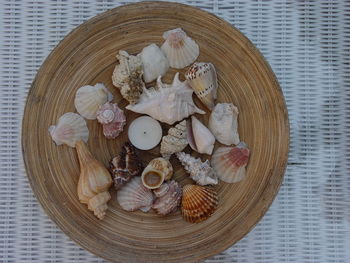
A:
198,203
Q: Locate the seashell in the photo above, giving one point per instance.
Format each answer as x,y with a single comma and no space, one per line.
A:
230,162
158,170
180,49
94,182
167,103
154,62
135,196
199,137
201,172
198,203
175,141
125,166
89,98
70,128
167,201
223,123
203,80
112,118
127,76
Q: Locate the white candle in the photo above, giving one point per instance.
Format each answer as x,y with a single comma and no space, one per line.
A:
145,133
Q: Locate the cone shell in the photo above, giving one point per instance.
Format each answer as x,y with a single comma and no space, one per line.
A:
158,170
198,203
230,162
200,137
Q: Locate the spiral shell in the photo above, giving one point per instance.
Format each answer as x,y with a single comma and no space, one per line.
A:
175,141
112,119
158,170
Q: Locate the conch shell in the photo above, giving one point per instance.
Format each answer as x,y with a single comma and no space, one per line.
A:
70,128
198,203
230,162
175,141
167,103
200,172
168,198
199,137
94,182
112,118
223,123
203,80
158,170
127,76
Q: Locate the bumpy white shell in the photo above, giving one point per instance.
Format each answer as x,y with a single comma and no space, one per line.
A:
70,128
175,141
89,98
201,172
199,137
159,167
167,103
180,49
134,196
230,162
203,80
154,62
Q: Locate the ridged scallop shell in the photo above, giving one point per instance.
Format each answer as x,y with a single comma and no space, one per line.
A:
223,123
199,137
203,80
198,203
167,103
175,141
89,98
230,162
154,62
70,128
201,172
180,49
134,196
112,118
167,201
158,170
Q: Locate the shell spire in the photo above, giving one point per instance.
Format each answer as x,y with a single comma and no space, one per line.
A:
112,119
175,141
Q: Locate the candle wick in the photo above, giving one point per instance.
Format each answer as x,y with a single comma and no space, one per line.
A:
144,132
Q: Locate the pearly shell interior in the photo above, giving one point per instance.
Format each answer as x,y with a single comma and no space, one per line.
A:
152,179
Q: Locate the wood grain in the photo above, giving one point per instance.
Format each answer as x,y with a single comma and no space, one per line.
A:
87,56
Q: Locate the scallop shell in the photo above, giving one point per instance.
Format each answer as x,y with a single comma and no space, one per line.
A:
167,201
230,162
127,76
201,172
223,123
175,141
125,166
167,103
154,62
203,80
112,118
135,196
158,170
70,128
180,49
198,203
199,137
89,98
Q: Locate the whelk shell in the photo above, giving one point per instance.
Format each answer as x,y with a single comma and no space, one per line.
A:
168,198
175,141
158,170
199,137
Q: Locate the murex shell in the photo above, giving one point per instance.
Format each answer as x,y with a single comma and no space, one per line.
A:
199,137
180,49
223,123
168,198
70,128
127,76
198,203
134,196
89,98
203,80
158,170
175,141
125,166
201,172
230,162
112,119
167,103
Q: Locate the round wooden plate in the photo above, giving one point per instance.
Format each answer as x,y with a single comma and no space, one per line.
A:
87,56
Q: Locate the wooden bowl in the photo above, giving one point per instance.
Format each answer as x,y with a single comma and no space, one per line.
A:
87,56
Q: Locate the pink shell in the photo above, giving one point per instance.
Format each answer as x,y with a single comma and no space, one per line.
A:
168,202
112,118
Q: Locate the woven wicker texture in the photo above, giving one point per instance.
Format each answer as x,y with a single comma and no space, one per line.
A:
307,45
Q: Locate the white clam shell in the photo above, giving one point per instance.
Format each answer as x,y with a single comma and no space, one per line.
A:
70,128
199,137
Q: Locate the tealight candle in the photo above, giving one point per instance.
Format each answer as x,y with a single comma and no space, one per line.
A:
145,133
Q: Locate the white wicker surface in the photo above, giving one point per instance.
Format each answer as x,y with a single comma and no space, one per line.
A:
307,45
